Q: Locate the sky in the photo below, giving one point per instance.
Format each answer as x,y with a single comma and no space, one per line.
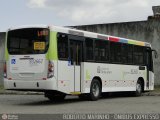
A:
72,12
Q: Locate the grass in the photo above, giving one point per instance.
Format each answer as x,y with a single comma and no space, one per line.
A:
1,88
157,88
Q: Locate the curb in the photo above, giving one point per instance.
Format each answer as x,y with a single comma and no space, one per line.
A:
151,94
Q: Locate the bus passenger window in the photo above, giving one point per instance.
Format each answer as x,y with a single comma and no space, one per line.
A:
89,49
115,50
138,55
130,54
101,50
124,53
62,46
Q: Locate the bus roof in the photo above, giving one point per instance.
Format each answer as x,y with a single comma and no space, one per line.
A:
74,31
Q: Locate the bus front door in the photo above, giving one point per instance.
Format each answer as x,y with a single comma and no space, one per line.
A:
149,64
76,57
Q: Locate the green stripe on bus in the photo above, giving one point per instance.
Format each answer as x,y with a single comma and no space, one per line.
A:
6,54
52,51
6,50
131,42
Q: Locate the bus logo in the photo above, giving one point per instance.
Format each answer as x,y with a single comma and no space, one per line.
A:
13,61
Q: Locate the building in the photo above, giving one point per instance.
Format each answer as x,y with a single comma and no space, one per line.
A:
2,44
148,31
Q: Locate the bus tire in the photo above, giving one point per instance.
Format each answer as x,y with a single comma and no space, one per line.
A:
95,90
139,90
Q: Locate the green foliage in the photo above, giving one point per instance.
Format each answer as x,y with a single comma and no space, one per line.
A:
1,87
157,88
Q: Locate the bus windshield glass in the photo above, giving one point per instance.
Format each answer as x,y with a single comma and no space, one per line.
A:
28,41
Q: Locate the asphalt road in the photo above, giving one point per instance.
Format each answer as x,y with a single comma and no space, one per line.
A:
38,104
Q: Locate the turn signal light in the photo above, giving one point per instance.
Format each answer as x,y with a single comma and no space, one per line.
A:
50,69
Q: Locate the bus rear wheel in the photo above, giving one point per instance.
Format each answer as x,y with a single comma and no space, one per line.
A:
95,90
139,90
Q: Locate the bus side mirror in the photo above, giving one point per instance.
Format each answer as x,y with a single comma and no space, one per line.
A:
155,53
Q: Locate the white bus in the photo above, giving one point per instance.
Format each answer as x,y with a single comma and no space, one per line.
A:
62,61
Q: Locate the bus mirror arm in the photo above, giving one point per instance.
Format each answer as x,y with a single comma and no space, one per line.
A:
155,53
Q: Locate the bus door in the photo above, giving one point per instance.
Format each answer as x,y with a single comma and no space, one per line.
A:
149,65
75,59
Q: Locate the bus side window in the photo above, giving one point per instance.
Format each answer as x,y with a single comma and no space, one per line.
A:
115,51
138,55
130,54
124,53
89,49
101,50
62,46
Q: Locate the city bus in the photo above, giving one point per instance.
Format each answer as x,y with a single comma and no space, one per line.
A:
62,61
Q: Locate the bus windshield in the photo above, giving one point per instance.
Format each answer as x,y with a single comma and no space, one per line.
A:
28,41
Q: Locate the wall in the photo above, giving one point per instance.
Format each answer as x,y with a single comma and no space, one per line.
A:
2,44
148,31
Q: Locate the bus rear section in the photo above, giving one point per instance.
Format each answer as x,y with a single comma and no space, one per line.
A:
26,66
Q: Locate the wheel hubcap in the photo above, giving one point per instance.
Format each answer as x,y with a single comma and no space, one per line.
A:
138,87
95,90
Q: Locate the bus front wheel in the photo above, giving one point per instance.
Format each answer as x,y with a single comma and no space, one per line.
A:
95,90
138,91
